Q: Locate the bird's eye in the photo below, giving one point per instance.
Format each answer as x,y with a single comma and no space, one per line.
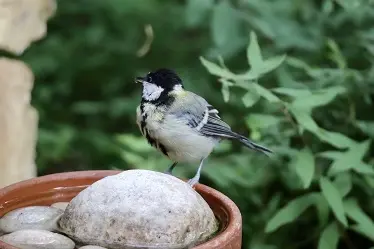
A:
149,79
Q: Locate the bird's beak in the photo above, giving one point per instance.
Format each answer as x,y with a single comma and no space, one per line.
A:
139,80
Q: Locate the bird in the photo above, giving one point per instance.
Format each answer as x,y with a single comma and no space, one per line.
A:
181,124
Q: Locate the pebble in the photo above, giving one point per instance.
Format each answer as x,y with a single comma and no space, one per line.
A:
33,217
37,239
60,205
92,247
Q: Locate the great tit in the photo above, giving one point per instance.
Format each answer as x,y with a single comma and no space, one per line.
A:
181,124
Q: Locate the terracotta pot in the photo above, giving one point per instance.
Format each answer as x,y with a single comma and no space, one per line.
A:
62,187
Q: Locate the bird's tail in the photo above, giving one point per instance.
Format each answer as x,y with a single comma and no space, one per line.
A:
248,143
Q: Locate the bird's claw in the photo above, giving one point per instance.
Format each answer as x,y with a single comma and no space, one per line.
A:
192,182
168,172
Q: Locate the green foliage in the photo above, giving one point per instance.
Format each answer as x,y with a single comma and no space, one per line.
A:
305,133
295,76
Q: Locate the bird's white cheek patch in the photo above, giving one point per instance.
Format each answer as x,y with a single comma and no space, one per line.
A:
151,91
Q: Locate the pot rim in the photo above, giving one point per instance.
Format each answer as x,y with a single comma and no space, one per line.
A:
233,227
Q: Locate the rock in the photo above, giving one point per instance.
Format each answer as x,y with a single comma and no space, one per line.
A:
22,22
18,128
139,208
37,239
92,247
60,205
35,217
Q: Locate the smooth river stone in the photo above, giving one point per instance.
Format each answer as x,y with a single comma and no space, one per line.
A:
92,247
37,239
33,217
139,209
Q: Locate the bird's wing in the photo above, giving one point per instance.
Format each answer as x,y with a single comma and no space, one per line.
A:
200,115
197,113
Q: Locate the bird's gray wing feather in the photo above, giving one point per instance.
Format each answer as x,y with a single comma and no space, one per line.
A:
200,115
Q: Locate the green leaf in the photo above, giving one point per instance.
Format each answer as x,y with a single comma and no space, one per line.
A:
265,93
320,98
334,199
369,180
225,89
216,70
269,64
254,52
366,126
343,182
290,212
250,98
336,139
330,154
365,225
298,63
336,55
329,237
363,231
350,159
353,211
226,93
323,209
304,166
305,119
292,92
258,65
225,73
364,168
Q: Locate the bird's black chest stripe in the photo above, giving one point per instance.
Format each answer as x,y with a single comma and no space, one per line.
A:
144,118
145,132
153,142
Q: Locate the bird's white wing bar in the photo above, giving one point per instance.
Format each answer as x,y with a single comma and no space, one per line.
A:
203,121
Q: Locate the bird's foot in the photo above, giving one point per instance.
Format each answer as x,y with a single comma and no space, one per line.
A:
170,169
193,181
168,172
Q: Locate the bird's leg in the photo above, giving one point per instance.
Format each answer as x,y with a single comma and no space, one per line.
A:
196,178
170,169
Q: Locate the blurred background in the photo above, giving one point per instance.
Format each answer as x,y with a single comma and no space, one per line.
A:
294,75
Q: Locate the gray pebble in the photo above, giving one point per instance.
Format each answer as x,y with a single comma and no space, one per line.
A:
37,239
34,217
92,247
60,205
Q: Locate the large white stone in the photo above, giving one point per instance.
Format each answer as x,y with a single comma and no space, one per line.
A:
37,239
139,208
34,217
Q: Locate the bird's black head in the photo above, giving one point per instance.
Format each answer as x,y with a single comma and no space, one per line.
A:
159,82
